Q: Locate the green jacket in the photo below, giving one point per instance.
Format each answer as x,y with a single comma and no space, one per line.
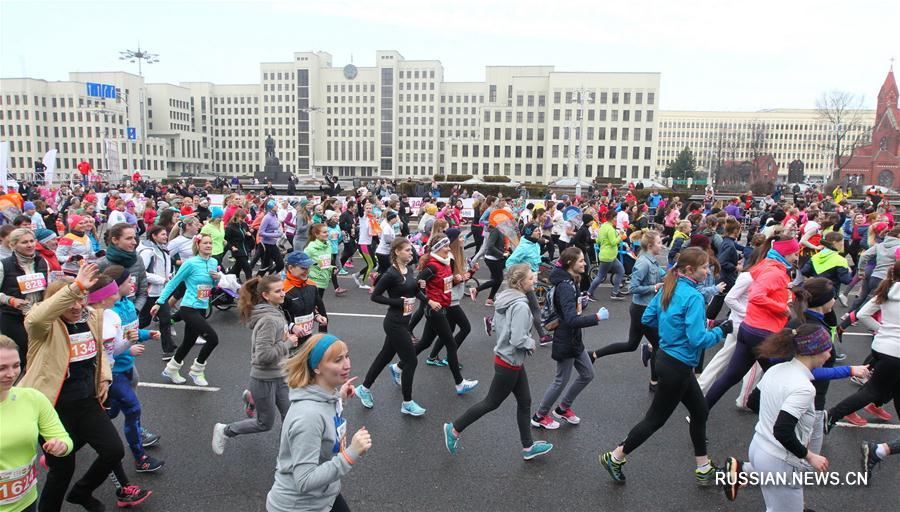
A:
608,240
320,252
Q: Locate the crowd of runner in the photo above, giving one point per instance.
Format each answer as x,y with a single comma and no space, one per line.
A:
90,275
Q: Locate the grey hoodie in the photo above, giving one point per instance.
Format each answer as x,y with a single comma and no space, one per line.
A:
512,320
268,347
308,471
884,254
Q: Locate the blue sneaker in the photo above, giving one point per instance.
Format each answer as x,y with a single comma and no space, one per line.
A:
450,439
365,396
613,466
537,449
465,386
412,408
436,362
343,272
396,372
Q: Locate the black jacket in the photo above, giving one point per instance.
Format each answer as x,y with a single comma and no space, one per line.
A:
496,247
583,240
728,257
240,237
567,342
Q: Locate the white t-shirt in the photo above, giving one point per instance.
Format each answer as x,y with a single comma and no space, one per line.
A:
785,387
116,217
621,219
564,232
557,223
525,216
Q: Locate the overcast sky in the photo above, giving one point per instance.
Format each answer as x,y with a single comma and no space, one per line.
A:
713,54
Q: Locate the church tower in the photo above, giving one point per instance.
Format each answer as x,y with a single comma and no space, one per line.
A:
887,96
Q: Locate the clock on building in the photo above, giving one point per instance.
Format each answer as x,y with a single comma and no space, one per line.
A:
350,71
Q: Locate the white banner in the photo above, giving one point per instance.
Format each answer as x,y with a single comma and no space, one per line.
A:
4,163
50,163
113,162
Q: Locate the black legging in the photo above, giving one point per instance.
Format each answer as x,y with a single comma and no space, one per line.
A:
334,274
340,505
437,325
272,255
13,325
676,384
417,315
347,252
636,331
397,340
477,238
196,325
383,262
241,263
506,381
496,267
165,323
457,318
881,388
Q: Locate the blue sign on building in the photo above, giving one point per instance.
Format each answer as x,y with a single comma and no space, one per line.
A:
132,133
101,90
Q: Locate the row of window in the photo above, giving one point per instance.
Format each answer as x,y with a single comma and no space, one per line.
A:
240,100
822,136
753,125
415,73
591,97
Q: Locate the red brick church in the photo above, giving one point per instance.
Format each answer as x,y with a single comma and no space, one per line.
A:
879,162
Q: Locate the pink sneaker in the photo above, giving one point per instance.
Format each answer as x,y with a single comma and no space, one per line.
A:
340,291
568,416
544,422
878,412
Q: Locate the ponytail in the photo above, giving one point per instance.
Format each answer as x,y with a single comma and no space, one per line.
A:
881,293
800,304
780,345
251,294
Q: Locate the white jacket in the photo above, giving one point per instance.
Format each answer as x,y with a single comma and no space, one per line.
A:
158,265
887,339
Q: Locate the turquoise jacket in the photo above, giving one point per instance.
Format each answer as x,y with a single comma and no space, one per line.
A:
682,326
193,273
128,315
526,252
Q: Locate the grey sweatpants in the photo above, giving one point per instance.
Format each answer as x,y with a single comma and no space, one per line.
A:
778,498
585,370
268,395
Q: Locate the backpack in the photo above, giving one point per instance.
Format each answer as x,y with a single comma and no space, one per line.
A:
550,317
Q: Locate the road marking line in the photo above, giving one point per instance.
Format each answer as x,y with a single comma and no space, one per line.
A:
886,426
176,386
355,314
857,334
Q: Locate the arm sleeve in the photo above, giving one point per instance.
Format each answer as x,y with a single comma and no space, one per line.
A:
519,334
268,345
804,241
152,278
568,313
695,324
305,437
651,314
638,274
863,260
737,292
728,258
176,280
49,425
865,315
378,294
833,373
844,274
783,430
807,269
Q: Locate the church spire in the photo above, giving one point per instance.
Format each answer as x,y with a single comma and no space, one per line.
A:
887,96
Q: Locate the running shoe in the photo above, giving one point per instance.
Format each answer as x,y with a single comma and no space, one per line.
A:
357,281
148,464
546,340
473,293
148,438
544,422
451,440
617,296
131,496
365,287
843,298
365,397
829,422
200,341
90,503
249,404
646,353
489,325
465,386
878,412
590,298
856,420
167,356
339,291
652,386
411,408
433,361
707,476
870,458
537,449
396,373
343,272
219,438
568,416
859,381
840,357
171,372
198,374
734,468
613,466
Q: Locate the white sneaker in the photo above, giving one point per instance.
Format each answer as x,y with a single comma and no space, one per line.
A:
219,438
198,374
843,298
200,341
364,287
172,373
356,280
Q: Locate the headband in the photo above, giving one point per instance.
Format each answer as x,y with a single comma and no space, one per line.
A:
813,343
440,244
103,293
318,352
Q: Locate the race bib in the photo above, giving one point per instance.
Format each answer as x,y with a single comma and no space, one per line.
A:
409,304
340,428
131,326
448,284
133,281
53,275
334,235
32,283
305,324
15,483
325,261
204,291
82,346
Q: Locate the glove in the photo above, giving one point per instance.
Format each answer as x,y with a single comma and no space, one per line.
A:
727,327
603,314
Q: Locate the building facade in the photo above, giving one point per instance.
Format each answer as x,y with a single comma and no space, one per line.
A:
785,134
878,163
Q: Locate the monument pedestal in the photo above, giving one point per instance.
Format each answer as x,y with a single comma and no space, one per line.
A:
273,173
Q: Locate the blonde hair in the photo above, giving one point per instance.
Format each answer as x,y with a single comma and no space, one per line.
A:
516,274
649,237
17,234
683,225
6,343
195,244
296,369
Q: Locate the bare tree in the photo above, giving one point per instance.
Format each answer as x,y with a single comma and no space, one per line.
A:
757,147
843,113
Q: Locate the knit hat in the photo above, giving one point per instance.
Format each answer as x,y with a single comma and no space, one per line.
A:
821,298
813,343
528,230
124,277
701,241
330,214
44,235
587,218
299,259
431,209
28,206
216,212
452,234
786,247
74,219
390,215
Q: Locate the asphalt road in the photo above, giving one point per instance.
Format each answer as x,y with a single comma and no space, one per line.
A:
408,467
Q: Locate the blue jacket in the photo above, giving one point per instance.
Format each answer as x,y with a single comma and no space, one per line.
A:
644,276
128,315
682,326
526,252
193,273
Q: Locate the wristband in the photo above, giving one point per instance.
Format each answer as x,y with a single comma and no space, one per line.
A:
347,457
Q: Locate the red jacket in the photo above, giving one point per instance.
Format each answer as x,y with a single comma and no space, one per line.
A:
767,299
438,287
49,256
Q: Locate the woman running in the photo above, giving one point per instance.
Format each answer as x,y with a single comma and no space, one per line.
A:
216,231
679,313
260,308
23,279
158,264
646,280
369,230
320,251
786,417
270,233
402,290
239,240
25,415
302,303
199,274
314,453
75,246
568,347
335,238
496,252
514,344
455,313
390,228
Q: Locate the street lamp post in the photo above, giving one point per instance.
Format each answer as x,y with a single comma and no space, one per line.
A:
582,95
312,137
140,56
